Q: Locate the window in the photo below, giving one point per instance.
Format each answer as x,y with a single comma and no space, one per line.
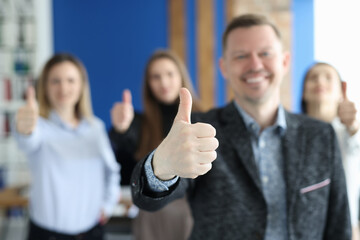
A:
337,40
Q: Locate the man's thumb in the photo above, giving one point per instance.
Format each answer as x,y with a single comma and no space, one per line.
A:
30,96
185,106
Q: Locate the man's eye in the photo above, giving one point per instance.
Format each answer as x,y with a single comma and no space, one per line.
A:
240,57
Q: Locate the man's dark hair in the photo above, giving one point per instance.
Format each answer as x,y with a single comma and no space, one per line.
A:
245,21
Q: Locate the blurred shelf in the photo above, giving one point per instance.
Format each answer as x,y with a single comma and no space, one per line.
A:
11,106
12,49
11,197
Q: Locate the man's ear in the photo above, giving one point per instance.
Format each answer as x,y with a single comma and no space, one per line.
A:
286,61
223,67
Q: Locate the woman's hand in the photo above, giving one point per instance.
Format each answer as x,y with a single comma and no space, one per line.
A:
347,113
27,115
103,219
122,113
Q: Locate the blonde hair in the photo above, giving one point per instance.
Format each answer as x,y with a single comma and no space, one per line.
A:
83,107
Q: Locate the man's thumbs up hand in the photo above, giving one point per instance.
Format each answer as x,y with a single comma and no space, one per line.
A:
347,112
27,115
189,149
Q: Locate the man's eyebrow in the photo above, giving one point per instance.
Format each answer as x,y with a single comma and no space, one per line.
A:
267,48
238,52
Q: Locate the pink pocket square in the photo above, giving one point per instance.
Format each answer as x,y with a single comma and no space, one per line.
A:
315,186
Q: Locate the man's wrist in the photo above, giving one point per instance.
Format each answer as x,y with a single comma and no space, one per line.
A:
159,170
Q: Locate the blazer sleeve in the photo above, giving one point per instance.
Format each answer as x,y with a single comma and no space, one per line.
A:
338,225
145,198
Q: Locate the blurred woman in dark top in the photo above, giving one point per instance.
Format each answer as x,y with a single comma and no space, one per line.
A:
134,135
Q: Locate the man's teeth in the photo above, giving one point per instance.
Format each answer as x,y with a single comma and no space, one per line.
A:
254,80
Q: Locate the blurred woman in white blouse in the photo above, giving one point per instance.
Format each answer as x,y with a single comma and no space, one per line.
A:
324,97
75,180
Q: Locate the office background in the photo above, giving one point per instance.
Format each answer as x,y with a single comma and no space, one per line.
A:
115,38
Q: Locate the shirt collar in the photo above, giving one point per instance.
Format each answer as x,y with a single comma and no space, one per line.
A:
54,117
253,126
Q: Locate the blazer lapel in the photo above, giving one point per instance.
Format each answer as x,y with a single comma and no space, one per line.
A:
293,150
237,134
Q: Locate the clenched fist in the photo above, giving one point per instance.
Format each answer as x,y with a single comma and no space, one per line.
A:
122,113
27,115
189,149
347,113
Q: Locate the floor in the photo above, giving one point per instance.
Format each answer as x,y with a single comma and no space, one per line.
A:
16,228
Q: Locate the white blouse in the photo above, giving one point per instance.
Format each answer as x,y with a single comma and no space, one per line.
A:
350,151
74,174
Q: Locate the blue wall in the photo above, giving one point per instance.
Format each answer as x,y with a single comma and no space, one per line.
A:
303,46
114,40
220,25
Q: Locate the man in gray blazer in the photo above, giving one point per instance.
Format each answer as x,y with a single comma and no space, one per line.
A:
277,176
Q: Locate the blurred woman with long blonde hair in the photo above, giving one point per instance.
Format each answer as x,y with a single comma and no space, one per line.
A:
74,173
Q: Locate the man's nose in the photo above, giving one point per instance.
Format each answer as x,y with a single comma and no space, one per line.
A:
255,62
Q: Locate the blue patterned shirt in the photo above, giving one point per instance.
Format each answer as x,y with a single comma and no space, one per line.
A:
267,149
